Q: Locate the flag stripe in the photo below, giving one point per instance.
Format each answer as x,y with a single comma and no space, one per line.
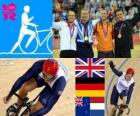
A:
97,106
97,99
90,93
90,80
90,67
97,113
90,86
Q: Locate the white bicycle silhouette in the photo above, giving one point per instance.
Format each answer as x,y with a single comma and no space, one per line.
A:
38,42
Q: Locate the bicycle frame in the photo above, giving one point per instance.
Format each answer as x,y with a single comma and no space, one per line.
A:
45,39
38,42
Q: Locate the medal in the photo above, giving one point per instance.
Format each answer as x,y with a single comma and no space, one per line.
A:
86,38
120,29
119,35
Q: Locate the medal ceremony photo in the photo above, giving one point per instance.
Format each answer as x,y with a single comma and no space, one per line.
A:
69,57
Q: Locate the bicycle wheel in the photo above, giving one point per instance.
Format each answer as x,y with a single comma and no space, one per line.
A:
11,112
31,49
11,115
47,41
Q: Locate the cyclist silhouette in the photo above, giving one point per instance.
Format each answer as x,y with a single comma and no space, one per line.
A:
25,21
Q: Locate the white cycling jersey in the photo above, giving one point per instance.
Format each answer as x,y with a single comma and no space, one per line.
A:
122,84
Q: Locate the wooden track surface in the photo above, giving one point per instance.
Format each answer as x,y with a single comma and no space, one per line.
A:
11,69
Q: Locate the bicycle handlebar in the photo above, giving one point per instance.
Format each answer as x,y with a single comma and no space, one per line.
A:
28,104
25,103
26,99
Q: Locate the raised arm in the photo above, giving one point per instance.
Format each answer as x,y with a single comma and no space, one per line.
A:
94,22
57,25
136,18
116,71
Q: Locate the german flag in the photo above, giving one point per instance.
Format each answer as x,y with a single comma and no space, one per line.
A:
90,87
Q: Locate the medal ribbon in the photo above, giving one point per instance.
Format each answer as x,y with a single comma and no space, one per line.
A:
120,29
71,29
104,30
85,31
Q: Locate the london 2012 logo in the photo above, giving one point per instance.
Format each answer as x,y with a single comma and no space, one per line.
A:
26,29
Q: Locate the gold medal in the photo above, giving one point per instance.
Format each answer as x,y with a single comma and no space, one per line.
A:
119,35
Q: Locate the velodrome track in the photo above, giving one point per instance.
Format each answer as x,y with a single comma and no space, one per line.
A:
134,103
11,69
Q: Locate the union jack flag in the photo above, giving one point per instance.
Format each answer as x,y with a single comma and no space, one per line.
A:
79,101
90,67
